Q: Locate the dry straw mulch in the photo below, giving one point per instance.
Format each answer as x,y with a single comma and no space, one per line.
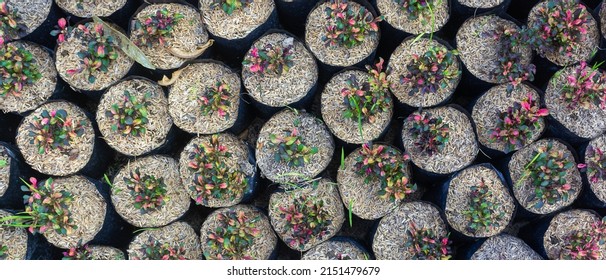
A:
37,93
240,23
333,108
360,198
178,234
479,51
401,57
188,35
482,4
89,8
585,123
589,42
237,162
505,247
432,22
495,101
336,249
66,58
599,187
54,162
564,224
391,235
15,239
524,190
460,150
194,80
313,134
602,16
459,198
280,90
106,253
262,246
159,121
315,28
5,171
323,190
159,167
32,12
87,210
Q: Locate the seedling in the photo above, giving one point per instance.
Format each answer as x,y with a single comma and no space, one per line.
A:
348,26
290,148
585,244
215,100
155,29
425,244
17,70
430,134
155,250
54,130
482,213
306,218
229,6
233,237
430,71
11,24
129,117
595,164
147,191
272,59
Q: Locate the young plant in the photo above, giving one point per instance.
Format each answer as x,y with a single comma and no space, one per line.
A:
130,116
559,27
234,235
306,218
155,29
47,208
148,192
425,244
215,99
516,126
417,9
17,69
78,253
511,68
347,26
586,244
595,164
547,171
212,177
430,71
155,250
290,148
387,166
429,133
3,251
11,24
271,59
586,88
229,6
482,209
54,130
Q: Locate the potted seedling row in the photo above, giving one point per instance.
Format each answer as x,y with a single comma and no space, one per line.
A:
502,247
374,179
93,252
236,24
357,105
12,169
306,214
414,231
177,241
16,243
293,13
279,71
593,168
336,249
218,170
240,232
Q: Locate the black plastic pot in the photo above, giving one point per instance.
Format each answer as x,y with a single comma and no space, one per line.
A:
8,128
293,14
13,197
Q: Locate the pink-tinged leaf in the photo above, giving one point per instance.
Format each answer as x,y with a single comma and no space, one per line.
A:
62,23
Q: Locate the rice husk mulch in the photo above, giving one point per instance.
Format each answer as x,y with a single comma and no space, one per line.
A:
14,238
505,247
66,58
482,4
315,28
397,18
193,81
262,246
480,53
159,167
322,189
589,43
599,187
281,90
524,191
460,150
459,197
313,134
176,234
564,224
401,57
188,35
361,198
495,101
32,12
87,210
5,171
54,162
37,93
585,123
336,249
237,162
106,253
159,121
391,235
89,8
240,23
602,15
